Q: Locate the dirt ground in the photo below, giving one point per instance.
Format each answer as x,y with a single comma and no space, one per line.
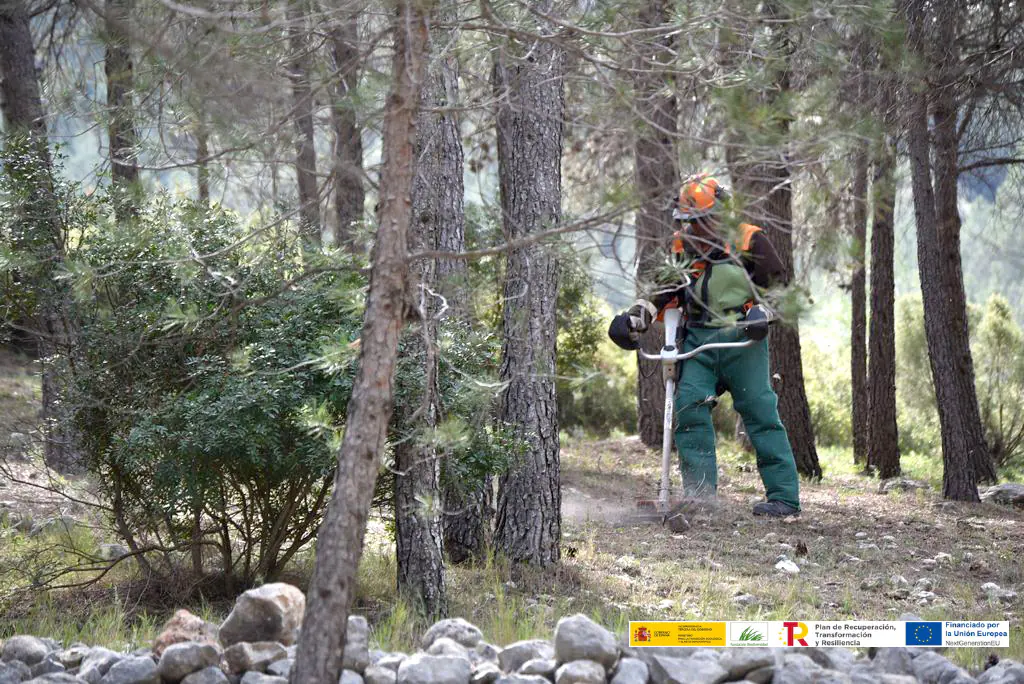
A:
861,554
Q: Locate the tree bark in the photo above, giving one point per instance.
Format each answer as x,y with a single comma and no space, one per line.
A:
340,538
349,195
858,319
42,240
121,132
944,306
302,97
528,85
883,443
656,180
761,173
437,213
202,134
967,431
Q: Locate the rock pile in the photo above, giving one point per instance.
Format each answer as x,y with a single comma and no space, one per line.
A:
256,645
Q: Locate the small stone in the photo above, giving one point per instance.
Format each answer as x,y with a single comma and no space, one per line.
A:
515,655
487,651
49,665
896,660
544,667
281,668
928,563
456,629
871,582
693,670
580,672
943,558
931,668
923,598
57,678
132,671
522,679
391,661
208,675
861,535
27,649
184,627
272,612
739,661
630,671
421,668
787,566
14,672
448,646
666,604
357,644
744,600
72,657
180,660
924,584
579,638
375,674
486,672
244,656
1007,494
98,663
350,677
260,678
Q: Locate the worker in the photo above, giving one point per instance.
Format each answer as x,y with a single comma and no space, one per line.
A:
724,282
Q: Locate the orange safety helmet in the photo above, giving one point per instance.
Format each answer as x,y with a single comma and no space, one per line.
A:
698,197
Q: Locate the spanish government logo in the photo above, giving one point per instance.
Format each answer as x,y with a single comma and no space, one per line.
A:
641,634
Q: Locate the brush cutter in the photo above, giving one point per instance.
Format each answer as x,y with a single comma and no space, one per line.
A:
755,325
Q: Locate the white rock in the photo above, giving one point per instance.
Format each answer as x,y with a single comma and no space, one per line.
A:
513,656
27,649
456,629
245,656
577,637
787,566
580,672
272,612
357,644
630,671
180,660
421,668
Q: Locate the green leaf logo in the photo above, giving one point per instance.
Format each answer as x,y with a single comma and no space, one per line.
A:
751,634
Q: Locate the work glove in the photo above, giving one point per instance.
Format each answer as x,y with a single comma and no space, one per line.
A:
640,316
755,323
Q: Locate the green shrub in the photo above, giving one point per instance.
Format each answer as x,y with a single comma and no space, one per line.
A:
998,354
829,394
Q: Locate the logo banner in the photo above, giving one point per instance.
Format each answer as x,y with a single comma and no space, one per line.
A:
821,634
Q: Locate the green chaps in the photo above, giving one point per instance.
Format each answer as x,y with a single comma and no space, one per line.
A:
744,373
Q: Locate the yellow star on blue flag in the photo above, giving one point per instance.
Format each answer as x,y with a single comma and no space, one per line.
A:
924,634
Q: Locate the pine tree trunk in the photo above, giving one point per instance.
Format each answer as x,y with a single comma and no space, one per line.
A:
762,176
656,180
202,134
302,114
349,195
960,478
967,432
43,245
121,132
528,84
858,319
437,213
883,443
340,538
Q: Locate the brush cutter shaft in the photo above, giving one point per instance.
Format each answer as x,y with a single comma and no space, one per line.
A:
666,447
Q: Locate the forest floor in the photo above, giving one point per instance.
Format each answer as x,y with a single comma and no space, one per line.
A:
861,555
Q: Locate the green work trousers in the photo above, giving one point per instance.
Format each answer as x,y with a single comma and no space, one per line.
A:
744,373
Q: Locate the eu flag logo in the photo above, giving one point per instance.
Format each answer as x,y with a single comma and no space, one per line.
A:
924,634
